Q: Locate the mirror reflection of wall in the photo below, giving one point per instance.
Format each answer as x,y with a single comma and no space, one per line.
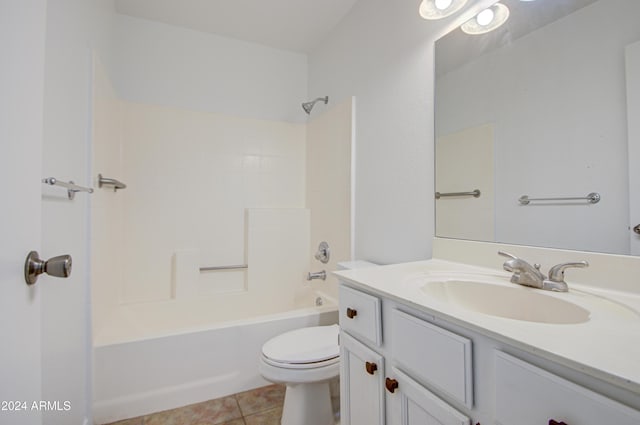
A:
556,97
464,164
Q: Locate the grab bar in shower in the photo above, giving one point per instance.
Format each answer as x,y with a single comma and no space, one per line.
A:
592,198
105,181
208,269
474,193
71,187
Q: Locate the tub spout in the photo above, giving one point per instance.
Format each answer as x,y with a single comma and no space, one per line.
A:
317,275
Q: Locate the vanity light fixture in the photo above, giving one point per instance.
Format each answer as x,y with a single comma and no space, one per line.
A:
487,20
438,9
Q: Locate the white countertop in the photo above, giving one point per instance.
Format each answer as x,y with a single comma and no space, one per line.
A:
607,346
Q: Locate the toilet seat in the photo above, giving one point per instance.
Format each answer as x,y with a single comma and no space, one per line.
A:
314,365
303,348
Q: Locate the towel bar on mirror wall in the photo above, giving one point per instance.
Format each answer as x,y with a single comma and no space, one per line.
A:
105,181
71,187
474,193
592,198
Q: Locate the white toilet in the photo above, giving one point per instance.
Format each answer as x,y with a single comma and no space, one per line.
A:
305,360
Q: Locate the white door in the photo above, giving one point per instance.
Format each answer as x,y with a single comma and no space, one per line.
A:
633,122
22,53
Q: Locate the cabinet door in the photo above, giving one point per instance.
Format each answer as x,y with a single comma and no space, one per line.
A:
412,404
361,383
527,395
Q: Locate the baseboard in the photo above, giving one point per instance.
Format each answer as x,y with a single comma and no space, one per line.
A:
132,406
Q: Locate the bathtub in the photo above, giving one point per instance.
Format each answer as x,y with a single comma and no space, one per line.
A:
161,355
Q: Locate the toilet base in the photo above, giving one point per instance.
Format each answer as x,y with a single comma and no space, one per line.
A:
308,404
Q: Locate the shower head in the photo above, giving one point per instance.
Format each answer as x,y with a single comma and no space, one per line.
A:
308,106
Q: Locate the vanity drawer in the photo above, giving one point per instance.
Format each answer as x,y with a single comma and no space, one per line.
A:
360,315
433,355
527,395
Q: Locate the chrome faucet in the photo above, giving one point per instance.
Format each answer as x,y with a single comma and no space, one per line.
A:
317,275
523,272
528,275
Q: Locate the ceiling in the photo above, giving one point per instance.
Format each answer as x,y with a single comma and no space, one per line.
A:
457,48
297,25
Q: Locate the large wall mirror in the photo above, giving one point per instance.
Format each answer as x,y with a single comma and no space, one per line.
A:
542,117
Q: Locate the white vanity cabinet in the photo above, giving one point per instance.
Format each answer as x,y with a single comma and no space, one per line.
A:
380,381
405,366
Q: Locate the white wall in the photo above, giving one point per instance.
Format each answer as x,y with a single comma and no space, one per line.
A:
74,27
572,140
382,53
171,66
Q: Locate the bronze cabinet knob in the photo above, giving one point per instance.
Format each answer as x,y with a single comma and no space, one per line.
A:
391,384
371,367
351,313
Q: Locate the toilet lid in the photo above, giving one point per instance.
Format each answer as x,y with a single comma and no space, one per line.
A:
305,345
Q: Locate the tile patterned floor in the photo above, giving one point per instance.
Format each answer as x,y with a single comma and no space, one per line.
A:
261,406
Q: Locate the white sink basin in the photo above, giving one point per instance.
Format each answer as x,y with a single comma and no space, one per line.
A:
511,302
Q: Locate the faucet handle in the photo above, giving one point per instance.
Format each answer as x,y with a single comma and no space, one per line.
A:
506,254
556,273
508,265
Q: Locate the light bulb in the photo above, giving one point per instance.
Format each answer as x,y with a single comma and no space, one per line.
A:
487,20
438,9
485,17
443,4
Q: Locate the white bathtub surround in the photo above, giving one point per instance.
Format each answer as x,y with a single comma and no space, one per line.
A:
330,145
107,220
190,177
278,241
185,273
276,259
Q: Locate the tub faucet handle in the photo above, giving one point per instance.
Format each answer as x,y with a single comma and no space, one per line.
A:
323,254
